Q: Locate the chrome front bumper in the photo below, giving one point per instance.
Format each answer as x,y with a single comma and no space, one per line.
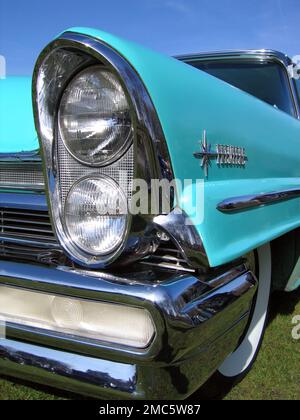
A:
198,321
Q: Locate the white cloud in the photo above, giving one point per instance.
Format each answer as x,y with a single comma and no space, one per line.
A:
2,67
178,5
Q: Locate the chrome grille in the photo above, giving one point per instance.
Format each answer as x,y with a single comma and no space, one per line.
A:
27,235
168,256
14,251
26,225
70,171
21,176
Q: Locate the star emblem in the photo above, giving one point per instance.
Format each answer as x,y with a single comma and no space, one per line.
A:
205,154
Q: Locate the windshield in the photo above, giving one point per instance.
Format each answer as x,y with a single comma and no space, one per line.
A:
266,80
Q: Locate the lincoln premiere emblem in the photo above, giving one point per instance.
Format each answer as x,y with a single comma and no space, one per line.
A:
226,155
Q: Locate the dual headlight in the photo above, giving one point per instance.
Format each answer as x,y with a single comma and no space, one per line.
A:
94,117
95,125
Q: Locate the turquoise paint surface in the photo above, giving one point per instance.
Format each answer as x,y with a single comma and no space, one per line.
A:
297,284
189,101
17,132
294,286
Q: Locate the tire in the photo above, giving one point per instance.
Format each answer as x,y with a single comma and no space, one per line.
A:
240,362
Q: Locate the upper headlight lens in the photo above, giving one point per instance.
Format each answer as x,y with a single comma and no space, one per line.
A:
94,117
96,215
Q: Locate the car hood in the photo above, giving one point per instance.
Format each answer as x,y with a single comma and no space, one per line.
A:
17,132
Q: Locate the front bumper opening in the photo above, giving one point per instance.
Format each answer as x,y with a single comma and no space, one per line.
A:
94,320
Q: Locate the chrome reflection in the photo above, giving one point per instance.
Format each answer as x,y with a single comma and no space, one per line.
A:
60,367
247,202
195,317
57,64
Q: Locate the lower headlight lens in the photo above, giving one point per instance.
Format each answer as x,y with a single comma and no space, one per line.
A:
113,323
96,215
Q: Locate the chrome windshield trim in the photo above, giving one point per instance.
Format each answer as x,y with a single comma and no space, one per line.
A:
247,202
237,53
263,54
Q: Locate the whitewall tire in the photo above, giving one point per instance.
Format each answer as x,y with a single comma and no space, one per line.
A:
243,357
238,363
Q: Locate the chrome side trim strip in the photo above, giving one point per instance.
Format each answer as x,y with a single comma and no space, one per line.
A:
246,202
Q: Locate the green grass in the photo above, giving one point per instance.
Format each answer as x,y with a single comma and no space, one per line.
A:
275,375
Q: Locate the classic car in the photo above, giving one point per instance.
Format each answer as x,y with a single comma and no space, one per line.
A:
102,300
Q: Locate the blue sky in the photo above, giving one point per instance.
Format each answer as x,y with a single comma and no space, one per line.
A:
169,26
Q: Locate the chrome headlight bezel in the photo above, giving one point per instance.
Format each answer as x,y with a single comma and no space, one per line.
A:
55,67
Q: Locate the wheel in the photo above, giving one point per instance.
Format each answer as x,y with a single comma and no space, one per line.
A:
238,364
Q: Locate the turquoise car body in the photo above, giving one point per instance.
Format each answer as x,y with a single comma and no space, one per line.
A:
200,308
190,102
17,131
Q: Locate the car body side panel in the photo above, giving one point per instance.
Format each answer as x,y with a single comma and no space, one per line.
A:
189,101
17,132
